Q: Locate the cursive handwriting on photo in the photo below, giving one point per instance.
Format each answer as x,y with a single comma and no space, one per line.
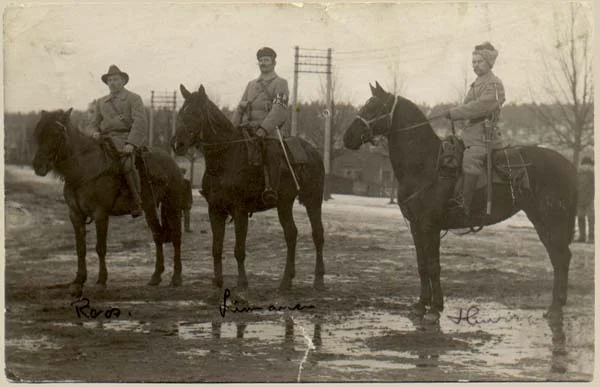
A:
472,317
83,309
234,308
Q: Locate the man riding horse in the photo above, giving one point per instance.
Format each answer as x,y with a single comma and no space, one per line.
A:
481,108
263,110
121,116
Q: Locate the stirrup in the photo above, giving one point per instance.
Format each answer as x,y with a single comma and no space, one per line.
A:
269,197
137,211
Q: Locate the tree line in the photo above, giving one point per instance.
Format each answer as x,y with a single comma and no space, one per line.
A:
520,124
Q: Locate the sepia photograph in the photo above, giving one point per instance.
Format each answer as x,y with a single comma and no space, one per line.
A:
314,192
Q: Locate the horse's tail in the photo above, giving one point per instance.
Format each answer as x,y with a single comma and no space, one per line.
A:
312,177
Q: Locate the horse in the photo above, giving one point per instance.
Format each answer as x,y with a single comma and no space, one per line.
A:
233,186
95,189
424,193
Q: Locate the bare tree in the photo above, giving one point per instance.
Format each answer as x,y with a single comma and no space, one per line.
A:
568,83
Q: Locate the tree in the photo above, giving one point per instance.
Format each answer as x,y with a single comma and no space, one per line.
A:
568,83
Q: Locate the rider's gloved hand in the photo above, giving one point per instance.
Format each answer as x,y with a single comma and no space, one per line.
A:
261,132
128,148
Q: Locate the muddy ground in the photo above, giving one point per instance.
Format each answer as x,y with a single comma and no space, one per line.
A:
358,329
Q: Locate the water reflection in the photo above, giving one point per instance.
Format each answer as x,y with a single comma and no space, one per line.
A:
265,331
559,345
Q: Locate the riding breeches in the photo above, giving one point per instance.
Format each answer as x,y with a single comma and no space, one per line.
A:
475,148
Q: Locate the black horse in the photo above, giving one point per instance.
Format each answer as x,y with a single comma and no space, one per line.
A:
94,189
233,186
423,194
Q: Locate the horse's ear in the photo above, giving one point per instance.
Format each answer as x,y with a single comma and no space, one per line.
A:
68,113
186,94
44,112
201,91
379,88
372,89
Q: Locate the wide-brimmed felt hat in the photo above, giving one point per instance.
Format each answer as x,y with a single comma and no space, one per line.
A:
114,70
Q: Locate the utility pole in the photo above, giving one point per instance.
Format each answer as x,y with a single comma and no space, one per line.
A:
328,118
167,100
294,129
313,63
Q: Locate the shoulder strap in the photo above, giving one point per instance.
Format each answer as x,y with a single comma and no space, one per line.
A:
121,116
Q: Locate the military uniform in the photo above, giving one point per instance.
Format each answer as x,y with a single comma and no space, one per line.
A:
264,103
484,99
585,202
122,117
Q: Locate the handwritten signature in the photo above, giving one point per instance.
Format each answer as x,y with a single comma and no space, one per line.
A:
83,309
471,317
224,308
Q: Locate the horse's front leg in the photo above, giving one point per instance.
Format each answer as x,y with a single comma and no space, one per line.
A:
78,222
431,250
286,219
420,307
240,218
101,237
217,225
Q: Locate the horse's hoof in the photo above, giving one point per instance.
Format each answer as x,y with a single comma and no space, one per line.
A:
418,310
242,286
175,282
100,285
76,290
431,317
554,314
217,283
319,284
285,286
154,281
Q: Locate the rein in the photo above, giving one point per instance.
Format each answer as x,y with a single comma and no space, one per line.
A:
390,116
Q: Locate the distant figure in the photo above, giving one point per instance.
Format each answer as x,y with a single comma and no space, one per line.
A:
186,201
585,199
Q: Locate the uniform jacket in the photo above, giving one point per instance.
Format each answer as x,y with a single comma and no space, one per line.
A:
585,195
485,96
125,122
264,103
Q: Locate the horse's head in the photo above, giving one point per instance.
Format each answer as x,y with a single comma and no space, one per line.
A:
197,121
51,137
373,119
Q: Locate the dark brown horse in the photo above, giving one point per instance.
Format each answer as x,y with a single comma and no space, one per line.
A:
94,189
423,194
233,186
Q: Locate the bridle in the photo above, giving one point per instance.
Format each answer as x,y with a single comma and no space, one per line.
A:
369,135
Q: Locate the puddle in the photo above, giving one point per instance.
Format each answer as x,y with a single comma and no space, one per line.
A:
30,344
493,342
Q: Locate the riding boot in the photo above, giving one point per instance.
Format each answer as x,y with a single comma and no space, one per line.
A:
581,226
272,174
591,228
469,182
133,182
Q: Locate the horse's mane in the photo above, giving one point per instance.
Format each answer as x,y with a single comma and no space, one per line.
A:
217,118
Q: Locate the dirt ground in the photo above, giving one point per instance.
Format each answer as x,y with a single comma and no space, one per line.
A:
358,329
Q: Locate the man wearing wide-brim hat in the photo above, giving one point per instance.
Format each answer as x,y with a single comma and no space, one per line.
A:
121,116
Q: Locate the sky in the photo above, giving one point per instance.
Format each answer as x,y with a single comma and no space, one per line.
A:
55,53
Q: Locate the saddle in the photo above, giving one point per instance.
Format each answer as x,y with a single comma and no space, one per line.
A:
508,165
293,147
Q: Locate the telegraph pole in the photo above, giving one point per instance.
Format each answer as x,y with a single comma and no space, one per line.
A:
157,100
313,63
294,128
